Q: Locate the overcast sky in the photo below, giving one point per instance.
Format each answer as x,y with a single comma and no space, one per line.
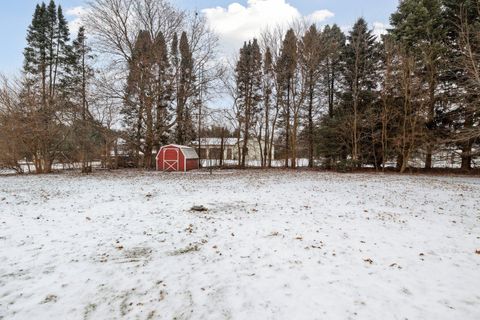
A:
235,21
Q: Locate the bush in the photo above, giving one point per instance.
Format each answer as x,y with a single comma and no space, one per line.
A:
344,166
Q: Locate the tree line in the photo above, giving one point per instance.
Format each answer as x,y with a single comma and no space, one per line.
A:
50,100
134,86
144,76
354,100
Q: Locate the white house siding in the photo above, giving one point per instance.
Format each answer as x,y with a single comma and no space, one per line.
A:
210,149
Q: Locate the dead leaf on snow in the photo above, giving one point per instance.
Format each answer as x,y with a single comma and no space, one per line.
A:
50,298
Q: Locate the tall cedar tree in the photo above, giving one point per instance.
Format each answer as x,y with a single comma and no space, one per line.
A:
268,87
185,91
249,89
138,99
285,69
46,61
80,75
419,26
329,143
311,55
388,95
149,95
360,76
164,90
462,19
333,39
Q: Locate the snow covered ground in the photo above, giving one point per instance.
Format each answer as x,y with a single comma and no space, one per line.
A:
273,245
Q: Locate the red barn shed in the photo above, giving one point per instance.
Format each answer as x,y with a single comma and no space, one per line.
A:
174,157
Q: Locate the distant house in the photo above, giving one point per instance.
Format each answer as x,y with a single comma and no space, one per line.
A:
211,148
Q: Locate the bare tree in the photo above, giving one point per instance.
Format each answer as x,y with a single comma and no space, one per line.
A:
386,94
115,24
413,107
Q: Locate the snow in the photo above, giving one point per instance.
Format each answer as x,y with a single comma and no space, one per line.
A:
273,245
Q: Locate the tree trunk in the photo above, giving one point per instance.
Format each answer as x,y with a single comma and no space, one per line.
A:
293,144
310,125
428,158
432,83
272,135
245,142
287,131
267,133
222,147
84,136
149,138
467,156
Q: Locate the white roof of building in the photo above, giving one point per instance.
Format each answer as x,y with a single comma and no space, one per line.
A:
177,146
216,141
187,151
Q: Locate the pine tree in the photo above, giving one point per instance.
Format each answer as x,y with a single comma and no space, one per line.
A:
149,96
175,63
418,26
164,90
249,89
81,74
285,69
388,96
333,40
186,86
46,66
360,75
268,87
311,55
462,19
138,105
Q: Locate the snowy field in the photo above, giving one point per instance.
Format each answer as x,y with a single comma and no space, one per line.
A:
273,245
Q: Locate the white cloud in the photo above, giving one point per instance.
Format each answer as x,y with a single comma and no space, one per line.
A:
320,15
380,29
75,15
237,23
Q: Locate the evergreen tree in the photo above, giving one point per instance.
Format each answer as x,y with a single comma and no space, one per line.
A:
360,76
186,89
46,64
462,19
285,69
139,100
164,90
419,26
311,54
389,101
333,40
249,89
81,74
268,87
149,96
175,63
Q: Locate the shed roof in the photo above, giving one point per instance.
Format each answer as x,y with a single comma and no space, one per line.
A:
188,152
